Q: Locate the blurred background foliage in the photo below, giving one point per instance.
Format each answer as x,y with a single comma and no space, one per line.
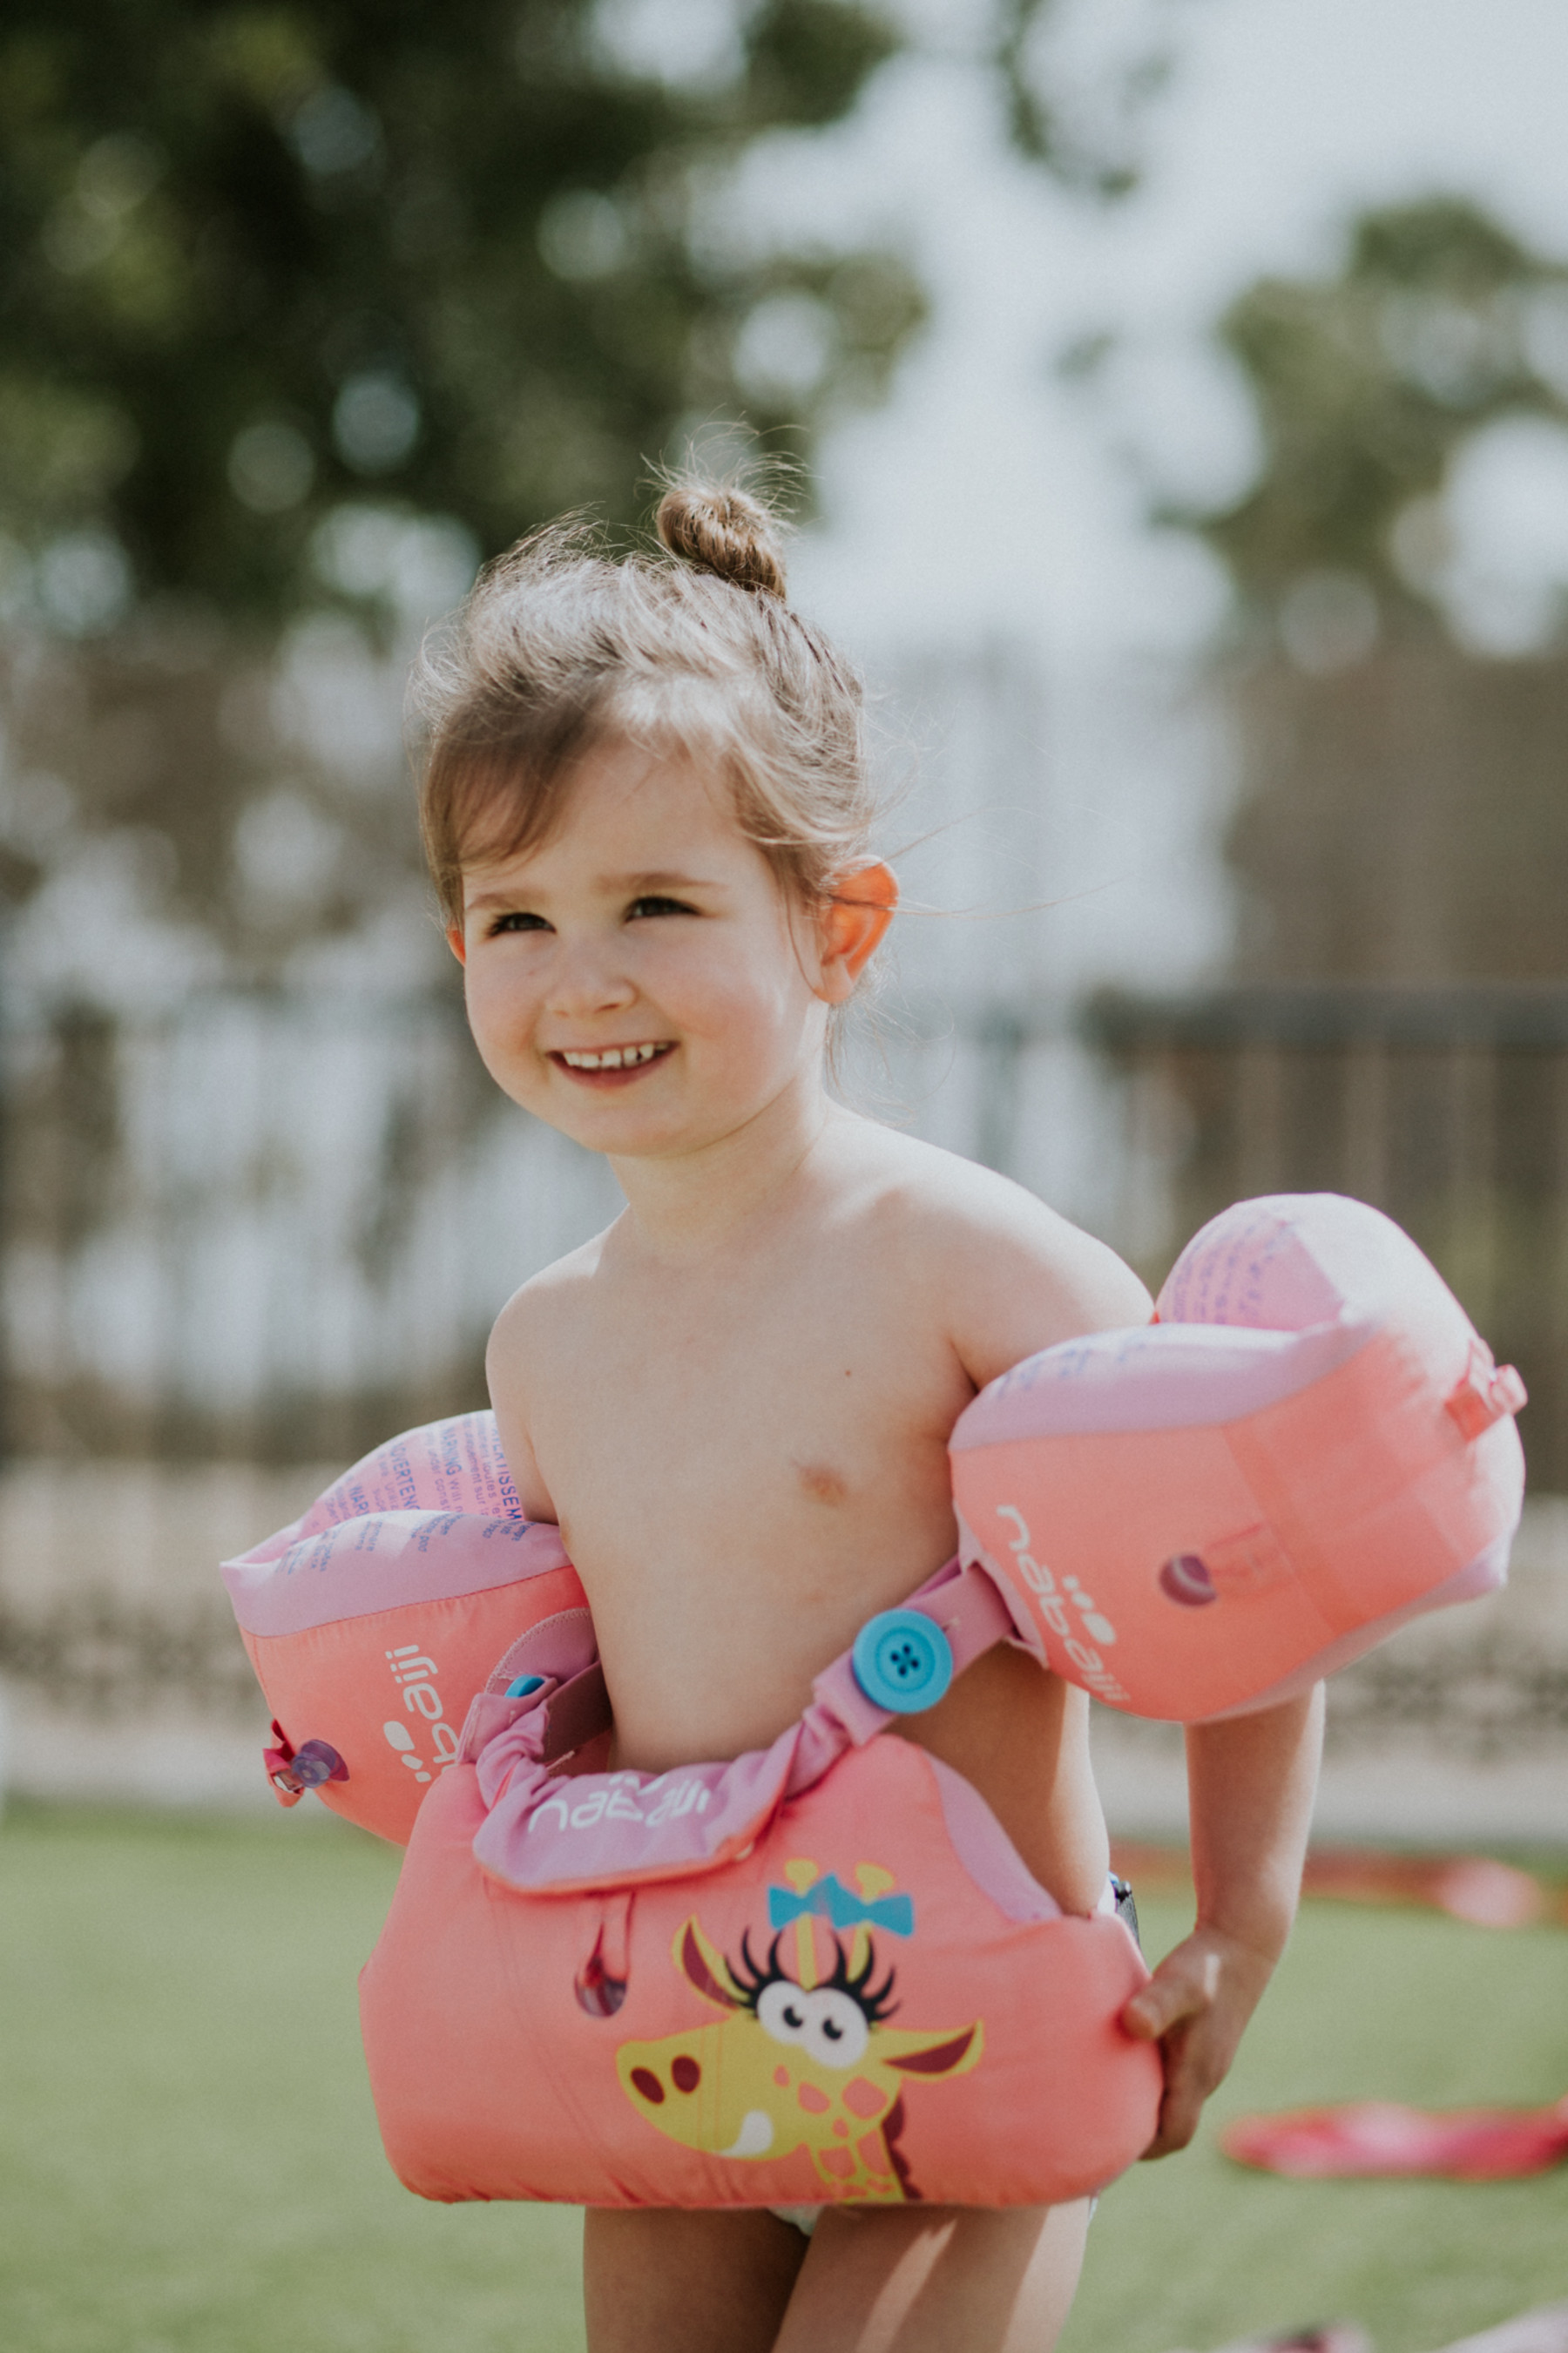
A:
304,311
1367,385
1400,690
259,266
263,265
1073,105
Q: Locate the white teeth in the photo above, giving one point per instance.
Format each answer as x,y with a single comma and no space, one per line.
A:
614,1058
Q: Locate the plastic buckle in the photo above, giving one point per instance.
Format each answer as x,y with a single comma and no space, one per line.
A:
902,1660
278,1759
292,1771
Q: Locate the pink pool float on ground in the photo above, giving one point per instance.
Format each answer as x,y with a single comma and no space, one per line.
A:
1376,2139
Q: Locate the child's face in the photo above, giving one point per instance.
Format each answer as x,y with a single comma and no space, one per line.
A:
639,979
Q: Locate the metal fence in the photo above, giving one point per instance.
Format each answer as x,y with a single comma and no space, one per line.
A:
261,1229
1445,1106
269,1230
244,1242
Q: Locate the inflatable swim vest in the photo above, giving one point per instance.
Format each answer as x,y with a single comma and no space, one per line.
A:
1207,1514
817,1973
620,1989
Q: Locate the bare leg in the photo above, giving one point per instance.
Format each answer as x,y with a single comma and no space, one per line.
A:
935,2279
693,2282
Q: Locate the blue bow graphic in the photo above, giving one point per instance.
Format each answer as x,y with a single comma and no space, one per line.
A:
831,1900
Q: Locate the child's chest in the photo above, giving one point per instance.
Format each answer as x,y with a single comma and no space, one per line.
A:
741,1484
749,1434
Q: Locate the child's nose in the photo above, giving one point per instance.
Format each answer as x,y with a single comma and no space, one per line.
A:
585,979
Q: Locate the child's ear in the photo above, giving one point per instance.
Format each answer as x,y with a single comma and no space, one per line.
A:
457,943
851,925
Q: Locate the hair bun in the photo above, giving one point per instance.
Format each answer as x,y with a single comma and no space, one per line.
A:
722,531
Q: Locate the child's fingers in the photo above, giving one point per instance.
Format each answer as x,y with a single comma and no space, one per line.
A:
1170,1996
1196,2060
1194,2006
1179,2116
1182,2103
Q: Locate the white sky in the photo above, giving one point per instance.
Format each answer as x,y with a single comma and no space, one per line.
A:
987,495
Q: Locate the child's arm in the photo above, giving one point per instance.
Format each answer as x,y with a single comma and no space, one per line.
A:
1250,1783
505,1360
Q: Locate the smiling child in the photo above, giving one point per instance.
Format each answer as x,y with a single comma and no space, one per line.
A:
647,813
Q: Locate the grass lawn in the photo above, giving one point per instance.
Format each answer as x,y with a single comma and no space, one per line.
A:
189,2162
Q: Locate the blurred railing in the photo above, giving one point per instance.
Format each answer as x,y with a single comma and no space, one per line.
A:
270,1229
239,1245
262,1229
244,1242
1445,1106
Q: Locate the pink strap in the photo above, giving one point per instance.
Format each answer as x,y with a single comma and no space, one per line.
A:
546,1834
965,1603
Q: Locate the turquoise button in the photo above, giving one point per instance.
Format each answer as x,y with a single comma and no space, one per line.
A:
523,1685
901,1661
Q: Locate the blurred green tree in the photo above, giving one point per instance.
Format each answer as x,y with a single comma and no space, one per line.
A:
311,303
262,263
1077,82
1402,705
1366,386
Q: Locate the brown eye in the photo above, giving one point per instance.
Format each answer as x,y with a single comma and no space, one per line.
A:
654,905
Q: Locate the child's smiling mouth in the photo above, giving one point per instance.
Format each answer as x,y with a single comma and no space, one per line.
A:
613,1065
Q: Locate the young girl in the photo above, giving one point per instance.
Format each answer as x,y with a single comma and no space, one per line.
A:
647,813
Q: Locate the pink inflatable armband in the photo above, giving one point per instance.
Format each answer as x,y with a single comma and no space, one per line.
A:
374,1619
1204,1516
816,1973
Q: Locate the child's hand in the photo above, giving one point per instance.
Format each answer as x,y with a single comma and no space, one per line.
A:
1195,2005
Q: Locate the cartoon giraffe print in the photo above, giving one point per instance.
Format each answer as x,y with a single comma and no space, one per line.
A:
804,2056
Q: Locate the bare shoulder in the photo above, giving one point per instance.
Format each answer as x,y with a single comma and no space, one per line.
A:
545,1302
528,1334
1009,1274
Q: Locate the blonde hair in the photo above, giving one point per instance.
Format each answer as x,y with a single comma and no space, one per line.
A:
559,648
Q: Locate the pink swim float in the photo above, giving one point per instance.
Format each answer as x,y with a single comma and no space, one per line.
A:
619,1989
816,1973
373,1619
1205,1515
